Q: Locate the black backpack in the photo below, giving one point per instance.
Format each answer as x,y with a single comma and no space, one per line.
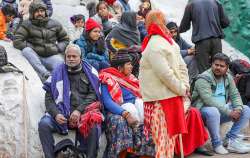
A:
6,66
239,66
67,149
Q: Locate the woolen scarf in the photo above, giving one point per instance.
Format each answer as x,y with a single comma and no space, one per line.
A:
126,32
154,29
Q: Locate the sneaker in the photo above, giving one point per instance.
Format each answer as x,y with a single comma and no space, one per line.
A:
243,142
236,146
240,138
220,150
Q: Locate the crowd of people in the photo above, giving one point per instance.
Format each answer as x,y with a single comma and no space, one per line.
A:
130,74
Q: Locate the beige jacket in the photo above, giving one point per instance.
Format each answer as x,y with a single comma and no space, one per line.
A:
163,73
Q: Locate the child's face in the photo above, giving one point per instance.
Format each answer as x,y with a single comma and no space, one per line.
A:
103,11
79,24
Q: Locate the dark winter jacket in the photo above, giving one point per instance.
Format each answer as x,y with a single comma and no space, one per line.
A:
207,17
46,37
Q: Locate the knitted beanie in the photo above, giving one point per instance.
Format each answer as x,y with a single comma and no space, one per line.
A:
91,24
120,58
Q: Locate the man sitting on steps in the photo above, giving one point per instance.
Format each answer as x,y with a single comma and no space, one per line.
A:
42,40
71,100
219,101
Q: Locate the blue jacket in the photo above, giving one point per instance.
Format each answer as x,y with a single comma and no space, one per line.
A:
12,3
184,46
110,105
125,6
142,29
99,61
49,7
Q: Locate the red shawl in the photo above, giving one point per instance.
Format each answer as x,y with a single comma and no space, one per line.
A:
196,136
92,116
113,79
174,115
154,29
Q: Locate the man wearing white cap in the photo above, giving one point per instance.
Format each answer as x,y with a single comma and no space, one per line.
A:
71,100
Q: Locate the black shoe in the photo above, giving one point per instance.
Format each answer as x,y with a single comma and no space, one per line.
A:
203,151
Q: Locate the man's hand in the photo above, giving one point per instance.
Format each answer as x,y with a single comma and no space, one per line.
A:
74,118
191,51
235,115
60,119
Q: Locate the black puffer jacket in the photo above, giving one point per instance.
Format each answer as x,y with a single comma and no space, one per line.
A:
46,37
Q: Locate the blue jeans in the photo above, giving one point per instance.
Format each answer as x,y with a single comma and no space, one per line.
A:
42,65
47,126
213,118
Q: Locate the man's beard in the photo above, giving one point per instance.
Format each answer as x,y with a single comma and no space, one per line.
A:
72,65
40,17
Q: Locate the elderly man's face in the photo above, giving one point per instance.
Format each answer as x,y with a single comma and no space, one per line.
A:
39,14
72,57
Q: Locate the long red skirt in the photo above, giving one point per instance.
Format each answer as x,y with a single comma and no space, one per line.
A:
197,134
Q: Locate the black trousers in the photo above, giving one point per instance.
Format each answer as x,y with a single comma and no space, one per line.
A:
205,50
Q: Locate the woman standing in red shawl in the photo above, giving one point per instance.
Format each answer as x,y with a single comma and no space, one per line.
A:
163,81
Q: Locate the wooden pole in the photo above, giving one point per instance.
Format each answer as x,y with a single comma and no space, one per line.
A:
181,145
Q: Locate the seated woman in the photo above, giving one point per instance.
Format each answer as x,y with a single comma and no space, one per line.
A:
124,107
93,47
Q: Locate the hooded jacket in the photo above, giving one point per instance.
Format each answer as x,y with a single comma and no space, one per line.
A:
45,36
